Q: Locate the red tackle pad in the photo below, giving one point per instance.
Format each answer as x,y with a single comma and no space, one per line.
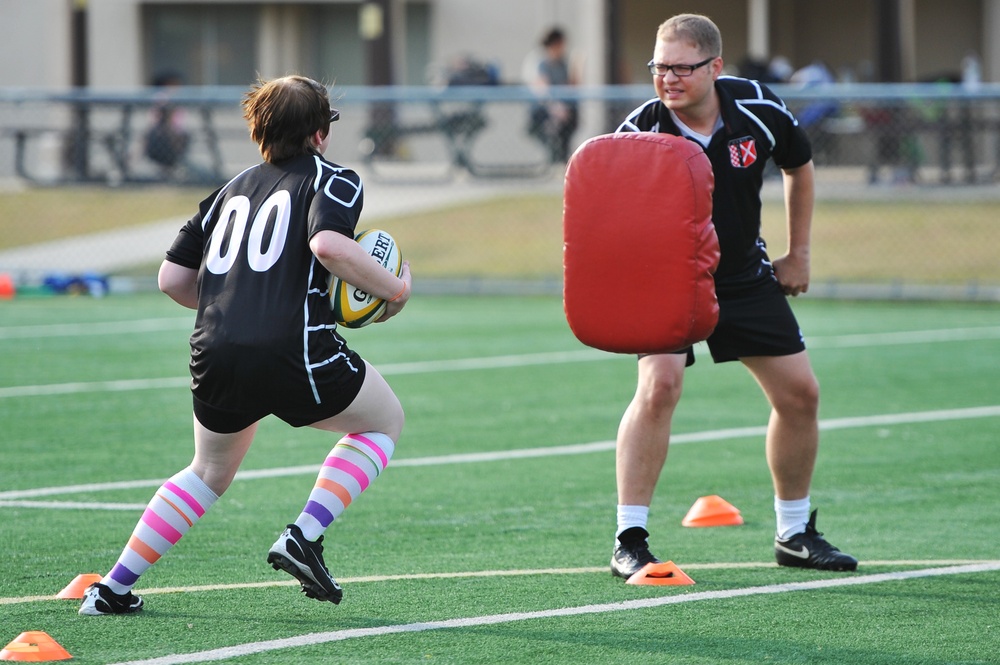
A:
639,246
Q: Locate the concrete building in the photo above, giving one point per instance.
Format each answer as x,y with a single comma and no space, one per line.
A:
53,50
113,44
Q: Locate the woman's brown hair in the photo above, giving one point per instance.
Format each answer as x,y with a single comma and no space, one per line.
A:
284,113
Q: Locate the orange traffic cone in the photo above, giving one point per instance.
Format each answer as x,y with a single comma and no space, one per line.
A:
35,646
666,573
7,289
75,589
712,511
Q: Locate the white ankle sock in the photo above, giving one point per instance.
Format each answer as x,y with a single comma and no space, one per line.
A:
792,516
630,516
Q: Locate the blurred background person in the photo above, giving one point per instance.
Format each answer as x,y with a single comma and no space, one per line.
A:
553,121
167,139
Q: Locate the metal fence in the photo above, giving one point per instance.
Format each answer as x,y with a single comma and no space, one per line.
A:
894,148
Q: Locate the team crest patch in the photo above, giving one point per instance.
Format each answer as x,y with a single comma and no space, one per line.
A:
742,152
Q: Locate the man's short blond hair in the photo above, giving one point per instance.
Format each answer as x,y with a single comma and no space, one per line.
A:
697,30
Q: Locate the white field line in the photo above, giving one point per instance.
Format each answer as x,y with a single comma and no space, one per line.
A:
587,570
242,650
121,385
73,505
139,326
903,337
390,369
98,328
17,497
454,365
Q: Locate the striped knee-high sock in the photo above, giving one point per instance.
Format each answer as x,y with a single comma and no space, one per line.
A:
176,506
353,464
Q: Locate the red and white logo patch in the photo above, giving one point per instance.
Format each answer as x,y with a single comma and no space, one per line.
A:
742,152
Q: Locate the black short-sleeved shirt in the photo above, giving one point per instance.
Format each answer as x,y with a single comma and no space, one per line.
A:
264,337
756,126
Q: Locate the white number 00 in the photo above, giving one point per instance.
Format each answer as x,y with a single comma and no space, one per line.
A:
234,215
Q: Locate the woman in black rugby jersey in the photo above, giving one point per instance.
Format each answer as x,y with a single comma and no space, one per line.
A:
255,262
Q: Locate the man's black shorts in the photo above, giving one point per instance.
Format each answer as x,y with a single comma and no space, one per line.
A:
233,388
753,321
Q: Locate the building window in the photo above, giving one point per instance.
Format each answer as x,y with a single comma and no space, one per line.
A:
206,44
417,54
331,50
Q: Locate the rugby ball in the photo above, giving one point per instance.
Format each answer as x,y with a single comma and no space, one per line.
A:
352,307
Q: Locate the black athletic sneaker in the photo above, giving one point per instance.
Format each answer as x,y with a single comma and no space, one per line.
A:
631,553
99,599
303,560
810,550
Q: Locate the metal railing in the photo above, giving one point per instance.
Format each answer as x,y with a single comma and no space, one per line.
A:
921,133
895,145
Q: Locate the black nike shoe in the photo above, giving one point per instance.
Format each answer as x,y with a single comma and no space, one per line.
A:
99,599
303,560
810,550
632,553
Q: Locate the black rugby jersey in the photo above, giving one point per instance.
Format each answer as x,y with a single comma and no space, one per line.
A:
756,127
260,288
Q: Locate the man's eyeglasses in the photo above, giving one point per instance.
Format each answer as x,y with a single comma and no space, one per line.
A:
334,115
656,69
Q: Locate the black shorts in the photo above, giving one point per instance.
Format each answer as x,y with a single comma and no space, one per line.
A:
234,388
753,321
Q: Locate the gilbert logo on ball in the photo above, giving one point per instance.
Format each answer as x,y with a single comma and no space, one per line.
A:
352,306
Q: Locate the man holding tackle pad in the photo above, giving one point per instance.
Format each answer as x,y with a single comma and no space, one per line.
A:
740,124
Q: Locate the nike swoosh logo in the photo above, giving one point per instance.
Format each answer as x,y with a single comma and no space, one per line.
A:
801,554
